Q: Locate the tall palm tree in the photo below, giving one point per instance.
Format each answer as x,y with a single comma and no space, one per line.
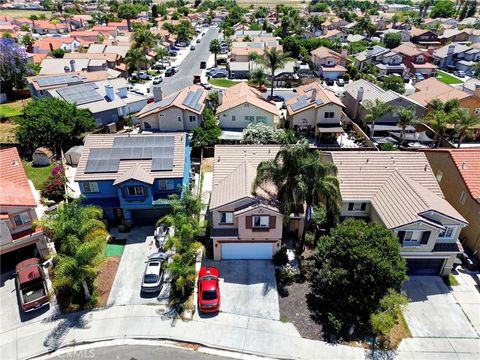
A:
376,110
162,53
258,77
406,117
438,121
273,60
252,56
134,58
223,26
215,48
144,39
365,26
463,123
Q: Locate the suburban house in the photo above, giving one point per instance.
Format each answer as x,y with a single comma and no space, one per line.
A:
390,63
423,37
329,63
51,66
453,35
361,92
449,55
369,56
458,174
335,35
131,176
181,111
430,89
244,225
46,45
399,191
107,100
18,209
241,50
417,61
316,109
241,105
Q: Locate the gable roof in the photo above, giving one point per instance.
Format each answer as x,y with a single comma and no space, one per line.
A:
456,49
323,52
400,185
431,88
311,95
409,50
15,189
242,93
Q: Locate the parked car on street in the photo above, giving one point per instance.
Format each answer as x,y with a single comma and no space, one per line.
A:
181,44
198,41
170,71
203,64
154,270
211,71
460,74
208,289
31,285
192,47
219,74
157,80
419,76
174,48
206,85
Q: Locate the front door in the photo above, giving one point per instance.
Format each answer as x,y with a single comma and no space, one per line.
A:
118,214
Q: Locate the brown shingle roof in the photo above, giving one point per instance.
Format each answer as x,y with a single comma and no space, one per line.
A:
242,93
431,88
323,52
409,50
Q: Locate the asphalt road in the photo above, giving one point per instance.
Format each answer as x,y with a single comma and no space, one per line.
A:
190,65
139,352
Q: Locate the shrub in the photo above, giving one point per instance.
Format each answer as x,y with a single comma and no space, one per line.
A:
54,186
287,274
310,239
281,257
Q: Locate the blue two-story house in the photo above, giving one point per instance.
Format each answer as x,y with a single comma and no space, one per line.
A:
131,176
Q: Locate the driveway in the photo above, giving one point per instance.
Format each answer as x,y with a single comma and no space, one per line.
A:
248,288
432,310
126,287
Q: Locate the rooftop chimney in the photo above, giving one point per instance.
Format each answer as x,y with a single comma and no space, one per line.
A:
220,97
451,49
72,65
51,46
157,93
314,94
110,92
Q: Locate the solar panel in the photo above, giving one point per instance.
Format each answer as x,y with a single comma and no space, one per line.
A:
96,166
81,94
58,80
301,103
162,164
191,100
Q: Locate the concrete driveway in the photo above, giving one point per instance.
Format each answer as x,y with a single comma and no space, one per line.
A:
248,288
432,310
128,281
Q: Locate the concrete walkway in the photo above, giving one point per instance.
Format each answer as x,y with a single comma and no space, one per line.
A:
240,333
467,295
439,349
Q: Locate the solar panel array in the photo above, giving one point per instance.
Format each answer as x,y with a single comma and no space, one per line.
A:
159,149
304,101
191,100
58,80
81,94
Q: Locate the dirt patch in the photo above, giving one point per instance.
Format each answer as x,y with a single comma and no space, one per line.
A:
7,132
105,279
399,332
293,308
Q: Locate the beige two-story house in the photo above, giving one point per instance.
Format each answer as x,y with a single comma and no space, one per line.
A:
245,224
399,191
180,111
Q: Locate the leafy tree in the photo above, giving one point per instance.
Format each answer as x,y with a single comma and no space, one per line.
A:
100,38
134,58
14,68
390,309
260,133
53,123
442,9
54,186
392,40
258,77
28,41
273,60
208,132
394,83
365,27
184,31
472,8
463,11
346,293
144,39
438,121
47,4
58,53
154,11
128,12
162,53
215,48
406,117
376,110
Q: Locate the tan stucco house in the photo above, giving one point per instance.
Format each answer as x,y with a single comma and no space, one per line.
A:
458,174
242,105
399,191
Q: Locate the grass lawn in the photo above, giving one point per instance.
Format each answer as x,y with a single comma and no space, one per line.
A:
38,175
447,78
12,109
225,83
115,248
25,13
7,132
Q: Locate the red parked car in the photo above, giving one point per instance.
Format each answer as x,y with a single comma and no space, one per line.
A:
208,289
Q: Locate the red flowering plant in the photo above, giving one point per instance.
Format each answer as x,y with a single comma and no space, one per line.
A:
54,186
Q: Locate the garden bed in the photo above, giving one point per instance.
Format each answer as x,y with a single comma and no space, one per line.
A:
105,278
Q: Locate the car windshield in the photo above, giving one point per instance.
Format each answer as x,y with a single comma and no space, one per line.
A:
150,278
209,277
209,295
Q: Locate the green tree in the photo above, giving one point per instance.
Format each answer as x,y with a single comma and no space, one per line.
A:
365,27
154,11
128,12
406,117
144,39
58,53
273,60
208,132
394,83
162,53
215,48
464,123
346,293
442,9
134,58
258,77
392,40
28,42
185,31
438,121
463,11
14,68
375,111
388,313
472,8
52,123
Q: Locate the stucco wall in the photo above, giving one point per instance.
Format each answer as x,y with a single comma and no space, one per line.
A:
314,116
226,121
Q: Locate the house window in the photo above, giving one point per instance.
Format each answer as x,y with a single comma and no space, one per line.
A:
135,191
90,187
329,115
447,233
463,197
261,221
439,175
179,118
262,119
250,119
357,206
21,219
233,117
412,238
165,185
226,218
246,105
192,118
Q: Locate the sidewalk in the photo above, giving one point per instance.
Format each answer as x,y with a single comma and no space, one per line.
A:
242,334
438,349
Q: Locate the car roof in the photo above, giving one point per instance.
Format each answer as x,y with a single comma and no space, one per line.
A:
153,267
208,271
209,285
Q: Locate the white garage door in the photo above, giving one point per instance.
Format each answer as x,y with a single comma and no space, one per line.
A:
247,251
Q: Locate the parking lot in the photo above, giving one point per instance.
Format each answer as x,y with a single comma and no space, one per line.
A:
127,284
248,288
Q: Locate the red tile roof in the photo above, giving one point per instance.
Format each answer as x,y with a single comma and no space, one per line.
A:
13,181
468,165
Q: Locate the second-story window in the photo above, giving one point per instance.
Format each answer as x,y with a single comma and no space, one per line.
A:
226,218
192,118
329,115
135,191
166,185
447,233
90,187
261,221
22,219
357,206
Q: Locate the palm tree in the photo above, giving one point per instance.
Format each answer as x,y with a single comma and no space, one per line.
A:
215,48
224,26
142,38
243,22
463,123
258,77
406,117
365,26
162,53
376,110
134,58
252,56
274,60
438,121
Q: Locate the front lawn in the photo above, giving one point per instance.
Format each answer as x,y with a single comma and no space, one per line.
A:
447,78
37,174
225,83
12,109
